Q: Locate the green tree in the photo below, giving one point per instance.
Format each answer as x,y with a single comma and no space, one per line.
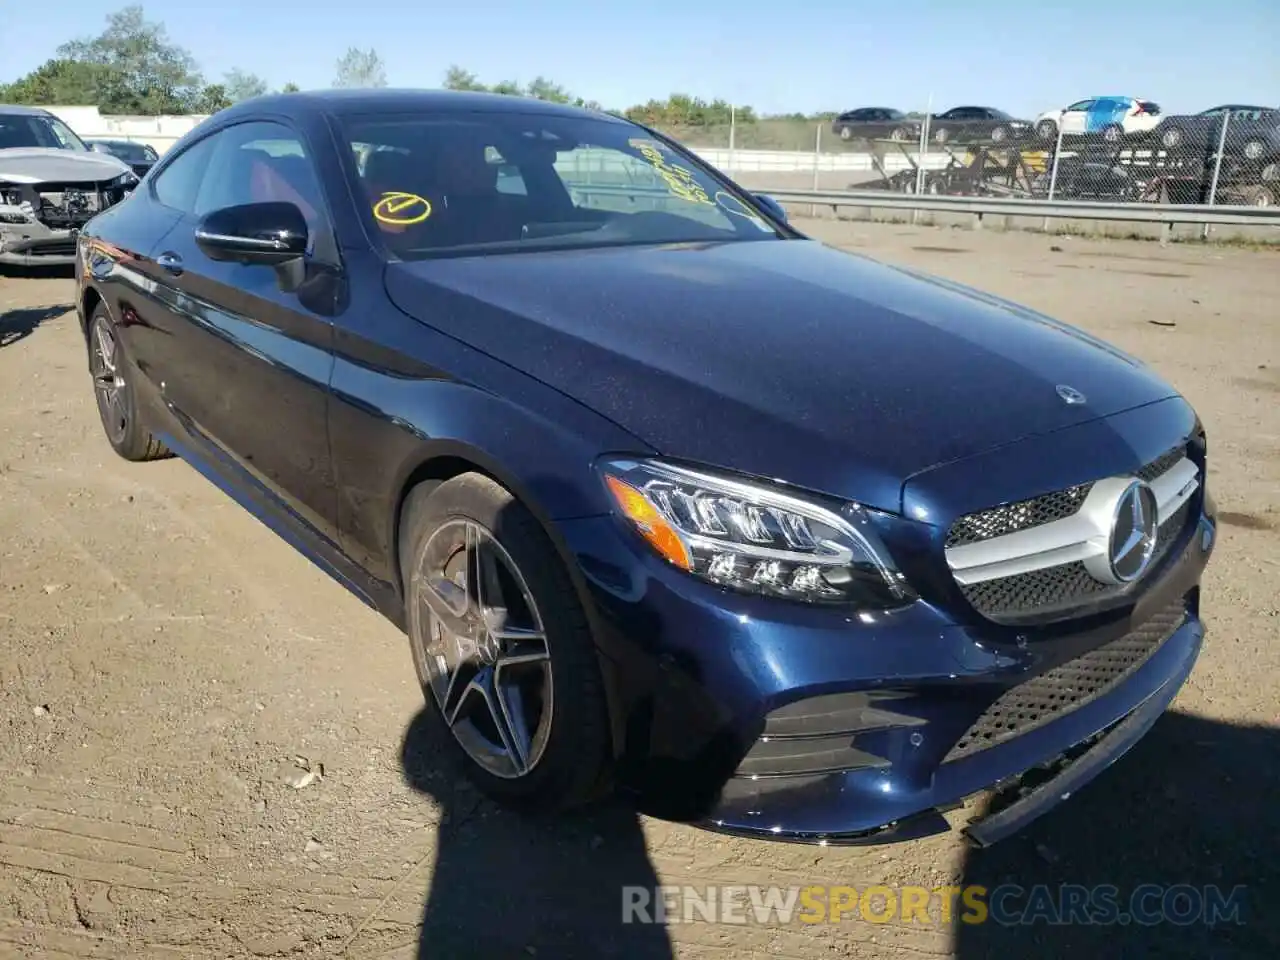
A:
510,87
140,70
456,78
212,99
360,68
290,87
241,85
59,82
540,88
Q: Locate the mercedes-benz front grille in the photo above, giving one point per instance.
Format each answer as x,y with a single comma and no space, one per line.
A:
1037,559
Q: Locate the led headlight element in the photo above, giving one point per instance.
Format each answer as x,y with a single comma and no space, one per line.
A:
751,537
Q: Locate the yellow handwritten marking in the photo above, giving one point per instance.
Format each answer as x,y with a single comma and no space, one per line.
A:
401,209
679,180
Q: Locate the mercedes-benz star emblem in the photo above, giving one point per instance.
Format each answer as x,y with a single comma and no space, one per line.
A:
1070,395
1133,532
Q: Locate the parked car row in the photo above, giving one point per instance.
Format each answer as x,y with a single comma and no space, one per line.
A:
1253,131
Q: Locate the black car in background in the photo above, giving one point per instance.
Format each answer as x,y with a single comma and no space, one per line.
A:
140,156
976,123
1201,131
873,123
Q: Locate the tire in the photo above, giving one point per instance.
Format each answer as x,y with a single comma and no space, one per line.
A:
564,758
1254,149
113,391
1047,130
1257,195
999,134
846,133
941,135
1172,138
1112,133
898,134
1270,172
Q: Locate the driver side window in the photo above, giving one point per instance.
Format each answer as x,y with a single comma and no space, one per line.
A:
1081,106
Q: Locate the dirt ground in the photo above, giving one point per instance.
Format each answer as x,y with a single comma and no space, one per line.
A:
169,670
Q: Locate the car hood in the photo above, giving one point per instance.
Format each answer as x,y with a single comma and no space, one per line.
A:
50,165
781,359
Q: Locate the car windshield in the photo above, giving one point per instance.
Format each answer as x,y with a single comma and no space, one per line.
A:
33,130
506,182
129,152
998,114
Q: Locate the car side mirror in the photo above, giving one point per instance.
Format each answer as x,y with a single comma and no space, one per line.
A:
268,233
772,205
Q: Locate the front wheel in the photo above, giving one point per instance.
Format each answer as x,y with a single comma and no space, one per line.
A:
501,646
999,134
846,133
1254,149
1171,139
1112,133
941,135
1047,130
114,391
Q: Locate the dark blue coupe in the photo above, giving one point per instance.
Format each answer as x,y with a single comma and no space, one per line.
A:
669,499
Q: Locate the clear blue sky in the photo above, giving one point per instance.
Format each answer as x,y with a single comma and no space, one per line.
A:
803,55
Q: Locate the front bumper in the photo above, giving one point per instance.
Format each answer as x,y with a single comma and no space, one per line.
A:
33,244
697,677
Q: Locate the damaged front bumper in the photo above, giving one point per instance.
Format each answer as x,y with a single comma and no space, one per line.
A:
40,223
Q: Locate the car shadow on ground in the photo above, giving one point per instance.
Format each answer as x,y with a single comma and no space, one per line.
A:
504,885
17,324
1195,803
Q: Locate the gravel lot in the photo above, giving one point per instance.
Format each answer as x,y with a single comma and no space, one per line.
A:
168,668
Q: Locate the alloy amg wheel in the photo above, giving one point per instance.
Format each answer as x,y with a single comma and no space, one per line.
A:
1171,138
113,390
484,649
502,647
109,385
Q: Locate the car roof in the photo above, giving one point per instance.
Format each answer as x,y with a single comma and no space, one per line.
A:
392,100
22,111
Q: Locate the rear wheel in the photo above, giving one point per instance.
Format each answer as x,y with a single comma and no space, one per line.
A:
1112,133
999,134
501,646
1171,139
846,133
1258,195
898,134
114,391
1047,130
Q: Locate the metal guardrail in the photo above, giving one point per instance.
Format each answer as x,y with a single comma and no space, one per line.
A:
1166,214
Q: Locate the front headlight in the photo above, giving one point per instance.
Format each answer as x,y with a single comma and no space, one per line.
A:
756,538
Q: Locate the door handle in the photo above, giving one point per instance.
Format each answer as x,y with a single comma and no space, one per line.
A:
170,262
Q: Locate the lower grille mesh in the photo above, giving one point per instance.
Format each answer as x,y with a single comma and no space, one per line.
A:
1068,686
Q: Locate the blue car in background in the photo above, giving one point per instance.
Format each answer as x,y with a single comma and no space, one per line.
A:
1111,119
669,498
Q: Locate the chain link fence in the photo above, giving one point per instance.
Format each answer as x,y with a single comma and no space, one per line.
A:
1116,149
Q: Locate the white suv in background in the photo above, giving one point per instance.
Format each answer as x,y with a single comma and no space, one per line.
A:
1110,118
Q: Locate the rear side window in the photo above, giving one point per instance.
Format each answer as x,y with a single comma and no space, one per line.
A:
178,184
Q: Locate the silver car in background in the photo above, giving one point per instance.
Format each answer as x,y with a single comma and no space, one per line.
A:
51,185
